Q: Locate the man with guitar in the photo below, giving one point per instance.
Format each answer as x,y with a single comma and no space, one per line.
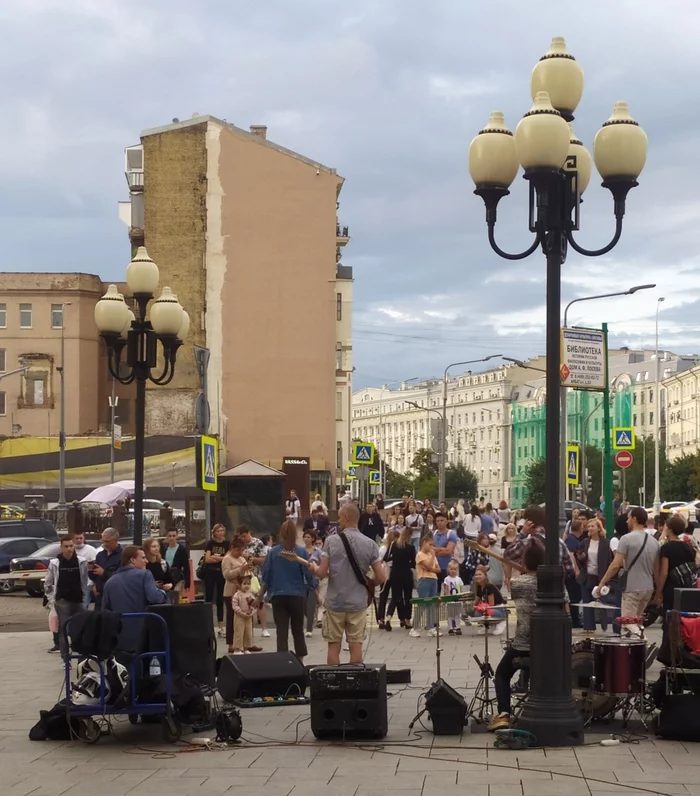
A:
346,559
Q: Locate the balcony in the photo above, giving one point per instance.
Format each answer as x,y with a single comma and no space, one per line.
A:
342,235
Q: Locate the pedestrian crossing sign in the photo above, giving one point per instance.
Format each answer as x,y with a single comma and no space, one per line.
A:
362,453
209,464
375,477
352,475
623,439
573,459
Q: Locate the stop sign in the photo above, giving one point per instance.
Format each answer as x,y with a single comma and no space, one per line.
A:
623,459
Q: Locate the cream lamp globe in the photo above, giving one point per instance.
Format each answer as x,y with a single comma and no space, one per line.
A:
542,136
125,331
492,161
558,73
166,314
583,161
184,327
142,274
620,146
111,312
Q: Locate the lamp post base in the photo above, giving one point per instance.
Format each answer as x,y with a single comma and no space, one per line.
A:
550,713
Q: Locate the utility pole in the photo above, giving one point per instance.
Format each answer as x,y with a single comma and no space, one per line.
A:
607,445
657,425
62,432
113,400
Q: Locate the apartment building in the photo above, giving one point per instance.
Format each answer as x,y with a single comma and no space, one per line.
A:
246,233
41,313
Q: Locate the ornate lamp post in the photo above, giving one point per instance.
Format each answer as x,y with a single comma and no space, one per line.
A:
121,331
557,167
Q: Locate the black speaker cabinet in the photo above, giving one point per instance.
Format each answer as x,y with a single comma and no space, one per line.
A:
264,674
349,701
686,600
679,719
192,639
446,708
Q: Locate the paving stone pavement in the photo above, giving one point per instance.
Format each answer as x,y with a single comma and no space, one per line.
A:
136,762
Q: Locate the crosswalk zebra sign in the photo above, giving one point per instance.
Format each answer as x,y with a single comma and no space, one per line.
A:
573,457
208,469
623,439
362,453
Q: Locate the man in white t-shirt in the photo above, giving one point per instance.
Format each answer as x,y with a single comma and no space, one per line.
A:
293,505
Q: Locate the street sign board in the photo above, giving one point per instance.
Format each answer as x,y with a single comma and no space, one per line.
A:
207,464
117,437
352,473
623,459
583,360
375,477
362,453
573,463
623,438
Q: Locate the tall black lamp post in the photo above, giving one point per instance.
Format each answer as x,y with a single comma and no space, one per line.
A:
557,167
122,331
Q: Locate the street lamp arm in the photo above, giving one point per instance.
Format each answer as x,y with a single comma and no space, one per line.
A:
505,255
597,252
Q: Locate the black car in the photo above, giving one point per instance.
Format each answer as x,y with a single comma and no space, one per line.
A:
38,529
31,569
10,549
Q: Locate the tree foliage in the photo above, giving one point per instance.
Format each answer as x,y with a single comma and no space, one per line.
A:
460,481
679,479
535,481
424,464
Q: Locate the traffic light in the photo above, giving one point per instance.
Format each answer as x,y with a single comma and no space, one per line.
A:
589,482
617,479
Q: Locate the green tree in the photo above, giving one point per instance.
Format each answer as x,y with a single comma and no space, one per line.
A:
424,463
535,481
427,487
594,463
397,484
460,481
679,478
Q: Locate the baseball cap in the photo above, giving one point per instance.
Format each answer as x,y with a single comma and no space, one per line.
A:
493,537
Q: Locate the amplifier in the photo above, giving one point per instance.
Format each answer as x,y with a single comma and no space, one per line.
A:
686,600
351,682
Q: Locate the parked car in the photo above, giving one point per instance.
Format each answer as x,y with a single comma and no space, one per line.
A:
570,505
36,529
30,570
11,511
10,548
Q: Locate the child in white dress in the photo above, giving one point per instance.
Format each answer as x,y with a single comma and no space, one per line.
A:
453,584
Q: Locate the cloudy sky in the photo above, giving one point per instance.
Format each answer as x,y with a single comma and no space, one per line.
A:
389,92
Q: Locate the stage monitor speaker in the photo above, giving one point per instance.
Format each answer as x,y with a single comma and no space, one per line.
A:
447,709
679,718
686,600
265,674
192,639
349,701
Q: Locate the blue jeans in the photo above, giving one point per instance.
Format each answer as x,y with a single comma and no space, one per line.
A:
427,587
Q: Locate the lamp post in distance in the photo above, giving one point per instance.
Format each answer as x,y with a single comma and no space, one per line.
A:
382,462
427,408
521,364
120,329
657,427
62,421
443,430
557,168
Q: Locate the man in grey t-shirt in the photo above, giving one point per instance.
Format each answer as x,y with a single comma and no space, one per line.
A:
346,598
640,572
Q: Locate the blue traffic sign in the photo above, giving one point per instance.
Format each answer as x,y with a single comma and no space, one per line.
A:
623,438
362,453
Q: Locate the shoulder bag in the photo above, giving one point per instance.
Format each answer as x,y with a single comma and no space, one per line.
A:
368,583
622,578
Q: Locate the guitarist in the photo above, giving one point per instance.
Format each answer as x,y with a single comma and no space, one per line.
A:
346,558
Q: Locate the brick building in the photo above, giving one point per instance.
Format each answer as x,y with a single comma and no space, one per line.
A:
245,232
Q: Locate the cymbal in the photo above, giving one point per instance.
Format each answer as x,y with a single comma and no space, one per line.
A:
596,604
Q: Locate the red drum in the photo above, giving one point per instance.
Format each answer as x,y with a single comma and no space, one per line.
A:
619,666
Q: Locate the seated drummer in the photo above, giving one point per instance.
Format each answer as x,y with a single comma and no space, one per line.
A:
523,590
486,594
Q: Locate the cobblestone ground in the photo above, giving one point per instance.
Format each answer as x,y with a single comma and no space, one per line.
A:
21,613
134,761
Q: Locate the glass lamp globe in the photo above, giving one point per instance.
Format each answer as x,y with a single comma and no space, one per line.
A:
542,136
166,314
558,73
142,274
492,160
620,146
184,327
111,312
130,319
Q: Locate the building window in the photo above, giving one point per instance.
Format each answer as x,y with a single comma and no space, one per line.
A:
634,398
651,418
57,316
2,403
339,406
25,316
3,316
339,455
2,360
634,420
595,424
339,306
338,356
651,396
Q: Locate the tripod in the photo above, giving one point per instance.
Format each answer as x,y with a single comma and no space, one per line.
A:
481,708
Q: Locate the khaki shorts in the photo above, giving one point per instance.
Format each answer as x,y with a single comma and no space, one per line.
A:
352,623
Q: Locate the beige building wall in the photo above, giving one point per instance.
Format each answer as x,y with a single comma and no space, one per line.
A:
344,369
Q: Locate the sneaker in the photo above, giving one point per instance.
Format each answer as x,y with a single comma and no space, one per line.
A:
265,633
381,625
450,632
221,633
458,632
499,629
254,649
309,634
387,626
238,652
246,652
499,722
54,649
481,631
434,632
413,633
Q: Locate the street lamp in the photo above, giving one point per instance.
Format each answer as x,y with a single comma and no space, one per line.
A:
427,409
557,167
382,463
120,329
563,398
443,429
521,364
62,417
657,429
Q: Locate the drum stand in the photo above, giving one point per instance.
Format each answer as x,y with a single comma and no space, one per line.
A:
482,705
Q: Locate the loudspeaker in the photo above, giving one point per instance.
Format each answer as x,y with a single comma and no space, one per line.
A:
686,600
273,674
447,709
679,719
192,639
349,701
